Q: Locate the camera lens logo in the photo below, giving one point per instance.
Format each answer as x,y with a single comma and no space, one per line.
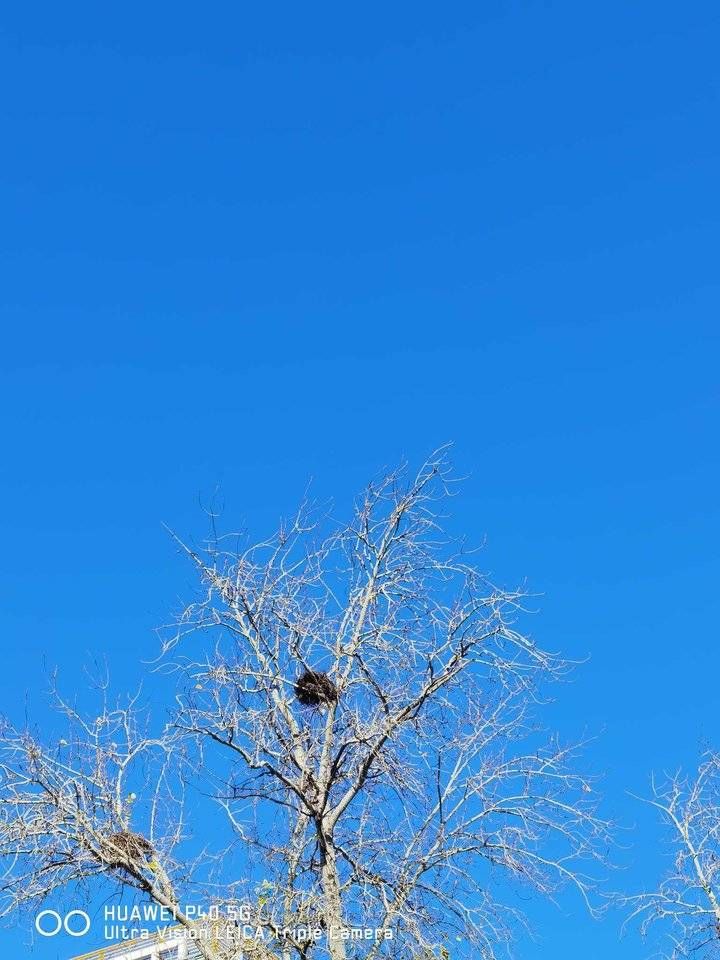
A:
49,923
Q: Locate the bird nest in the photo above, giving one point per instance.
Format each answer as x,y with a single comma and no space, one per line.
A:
314,688
127,847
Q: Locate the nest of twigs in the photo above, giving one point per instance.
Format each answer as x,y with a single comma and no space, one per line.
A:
127,847
314,688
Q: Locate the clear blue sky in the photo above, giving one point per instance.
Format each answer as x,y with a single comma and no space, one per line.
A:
253,244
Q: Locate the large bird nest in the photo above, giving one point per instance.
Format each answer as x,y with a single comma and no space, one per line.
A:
127,847
314,688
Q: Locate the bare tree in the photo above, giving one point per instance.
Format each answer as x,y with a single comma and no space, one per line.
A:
687,903
363,713
78,814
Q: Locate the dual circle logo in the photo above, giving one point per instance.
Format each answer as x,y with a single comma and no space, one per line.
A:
49,923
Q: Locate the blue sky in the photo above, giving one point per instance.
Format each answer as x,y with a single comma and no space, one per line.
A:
250,247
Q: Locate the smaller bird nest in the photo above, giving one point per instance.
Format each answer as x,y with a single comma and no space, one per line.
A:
314,688
126,846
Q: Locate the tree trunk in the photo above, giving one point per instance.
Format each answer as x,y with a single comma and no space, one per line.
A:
331,890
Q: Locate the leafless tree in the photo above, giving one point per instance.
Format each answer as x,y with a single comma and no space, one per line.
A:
69,810
360,707
687,903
